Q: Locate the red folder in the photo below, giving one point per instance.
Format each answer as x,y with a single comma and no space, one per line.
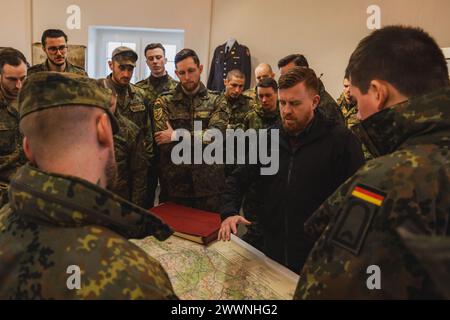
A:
189,223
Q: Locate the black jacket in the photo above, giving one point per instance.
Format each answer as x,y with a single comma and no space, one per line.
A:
311,167
237,58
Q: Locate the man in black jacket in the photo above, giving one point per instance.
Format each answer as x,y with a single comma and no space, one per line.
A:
316,155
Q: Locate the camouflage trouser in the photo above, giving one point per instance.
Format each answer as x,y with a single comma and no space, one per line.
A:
210,203
254,235
3,194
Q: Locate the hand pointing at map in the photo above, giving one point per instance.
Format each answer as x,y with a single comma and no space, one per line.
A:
230,225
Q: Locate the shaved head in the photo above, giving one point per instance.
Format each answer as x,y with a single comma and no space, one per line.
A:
263,70
57,130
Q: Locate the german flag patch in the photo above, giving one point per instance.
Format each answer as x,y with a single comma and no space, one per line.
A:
369,194
354,219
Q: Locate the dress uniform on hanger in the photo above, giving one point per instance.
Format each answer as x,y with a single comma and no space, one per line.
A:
236,57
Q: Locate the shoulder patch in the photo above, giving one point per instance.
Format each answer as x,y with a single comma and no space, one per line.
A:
356,216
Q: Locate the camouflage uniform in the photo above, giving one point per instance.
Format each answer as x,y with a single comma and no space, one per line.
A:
432,253
11,152
238,109
259,119
328,105
349,111
251,93
131,163
256,119
195,185
132,104
45,67
59,221
153,87
408,184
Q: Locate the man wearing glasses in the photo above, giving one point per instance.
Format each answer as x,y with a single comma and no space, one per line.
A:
54,44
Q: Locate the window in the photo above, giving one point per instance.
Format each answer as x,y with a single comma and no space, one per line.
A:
103,41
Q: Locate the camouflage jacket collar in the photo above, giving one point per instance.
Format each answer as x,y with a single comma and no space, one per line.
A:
342,103
242,100
130,90
265,114
155,81
179,94
3,101
65,201
11,106
421,119
69,66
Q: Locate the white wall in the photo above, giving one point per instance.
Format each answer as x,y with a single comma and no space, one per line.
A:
325,31
15,25
193,16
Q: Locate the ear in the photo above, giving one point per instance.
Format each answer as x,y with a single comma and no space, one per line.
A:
201,68
379,93
104,131
165,60
27,150
316,101
110,64
225,82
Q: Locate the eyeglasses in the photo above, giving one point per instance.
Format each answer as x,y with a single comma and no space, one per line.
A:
54,50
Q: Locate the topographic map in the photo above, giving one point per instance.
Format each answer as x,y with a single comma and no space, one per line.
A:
230,270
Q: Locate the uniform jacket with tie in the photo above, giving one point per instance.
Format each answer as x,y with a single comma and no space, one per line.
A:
238,57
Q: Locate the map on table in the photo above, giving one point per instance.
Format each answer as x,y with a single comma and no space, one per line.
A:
231,270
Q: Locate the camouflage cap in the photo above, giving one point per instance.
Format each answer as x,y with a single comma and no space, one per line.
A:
125,56
44,90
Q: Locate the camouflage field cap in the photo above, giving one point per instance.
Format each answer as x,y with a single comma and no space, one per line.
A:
44,90
125,56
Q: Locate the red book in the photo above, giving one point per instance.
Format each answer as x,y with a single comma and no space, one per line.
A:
189,223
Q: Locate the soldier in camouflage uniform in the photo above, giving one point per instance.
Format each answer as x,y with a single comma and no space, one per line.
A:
404,105
159,80
54,44
132,104
327,104
238,104
13,70
64,225
265,114
193,185
349,109
131,161
348,105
